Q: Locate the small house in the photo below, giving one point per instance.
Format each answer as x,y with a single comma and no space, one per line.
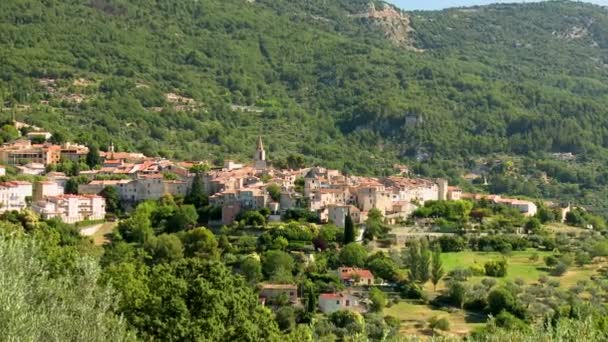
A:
355,276
332,302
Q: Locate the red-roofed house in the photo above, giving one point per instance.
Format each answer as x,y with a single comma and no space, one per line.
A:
355,276
332,302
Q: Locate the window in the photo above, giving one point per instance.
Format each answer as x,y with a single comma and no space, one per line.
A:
338,302
347,302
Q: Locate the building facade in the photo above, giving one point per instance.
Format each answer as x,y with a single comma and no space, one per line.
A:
15,195
72,208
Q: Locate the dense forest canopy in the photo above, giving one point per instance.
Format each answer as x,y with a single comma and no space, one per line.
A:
324,79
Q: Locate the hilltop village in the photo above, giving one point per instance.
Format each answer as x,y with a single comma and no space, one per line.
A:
232,189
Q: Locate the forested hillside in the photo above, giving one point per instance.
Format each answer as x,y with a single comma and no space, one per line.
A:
200,79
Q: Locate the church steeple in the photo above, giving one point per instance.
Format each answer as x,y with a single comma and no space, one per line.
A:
260,155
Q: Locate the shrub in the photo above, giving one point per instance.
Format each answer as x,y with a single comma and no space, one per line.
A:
460,274
507,320
501,299
439,323
551,260
477,270
451,243
559,270
497,268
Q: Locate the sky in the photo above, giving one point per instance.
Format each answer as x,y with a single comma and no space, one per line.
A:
441,4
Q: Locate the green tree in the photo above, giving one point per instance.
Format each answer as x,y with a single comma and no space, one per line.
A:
185,217
200,242
311,301
496,268
353,254
378,299
137,228
349,231
418,259
93,158
533,225
164,248
253,218
349,323
384,267
197,196
71,186
582,258
438,323
437,271
113,204
274,191
501,299
9,133
187,299
277,264
68,306
286,318
458,293
251,268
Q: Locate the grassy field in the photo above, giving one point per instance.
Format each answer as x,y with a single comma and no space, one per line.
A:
414,315
520,266
519,263
557,227
414,319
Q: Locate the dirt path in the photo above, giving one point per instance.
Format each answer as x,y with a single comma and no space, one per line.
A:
90,230
98,232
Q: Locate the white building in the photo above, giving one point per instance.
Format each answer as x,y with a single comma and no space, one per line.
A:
34,169
72,208
332,302
14,195
46,189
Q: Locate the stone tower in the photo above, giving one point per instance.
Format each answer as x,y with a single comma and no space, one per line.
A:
260,155
442,185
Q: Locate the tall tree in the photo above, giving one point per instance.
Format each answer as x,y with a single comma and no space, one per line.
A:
71,186
437,271
411,259
349,230
311,301
93,158
418,260
112,199
196,196
197,300
38,305
424,266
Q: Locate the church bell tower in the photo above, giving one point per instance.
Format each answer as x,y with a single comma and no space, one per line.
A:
260,155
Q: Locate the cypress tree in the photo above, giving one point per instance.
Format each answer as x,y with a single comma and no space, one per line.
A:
197,196
437,271
349,230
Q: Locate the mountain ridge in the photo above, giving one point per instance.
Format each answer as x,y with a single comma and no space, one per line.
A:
490,79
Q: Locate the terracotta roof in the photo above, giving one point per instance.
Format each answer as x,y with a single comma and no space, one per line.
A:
331,295
279,286
347,273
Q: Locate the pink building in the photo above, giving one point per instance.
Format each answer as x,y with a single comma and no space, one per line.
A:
72,208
